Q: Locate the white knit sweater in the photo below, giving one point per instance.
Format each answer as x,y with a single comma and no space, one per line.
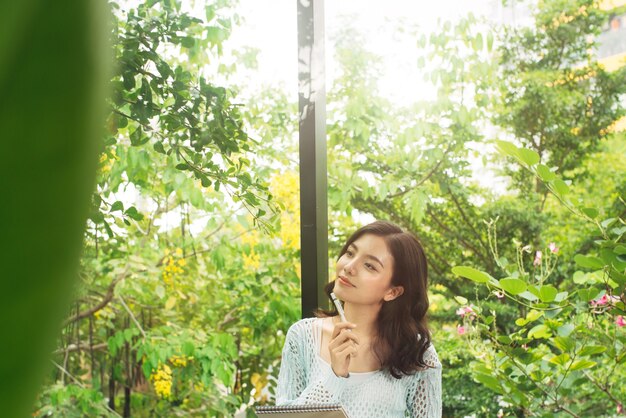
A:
306,378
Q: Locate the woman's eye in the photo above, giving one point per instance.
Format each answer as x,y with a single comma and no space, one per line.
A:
349,253
370,266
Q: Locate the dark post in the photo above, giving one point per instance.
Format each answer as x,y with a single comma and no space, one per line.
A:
312,117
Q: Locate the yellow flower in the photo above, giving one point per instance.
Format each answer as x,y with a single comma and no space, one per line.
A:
252,261
162,381
439,287
286,190
251,238
259,382
173,267
180,361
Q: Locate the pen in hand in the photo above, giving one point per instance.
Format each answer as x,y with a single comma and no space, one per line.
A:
342,314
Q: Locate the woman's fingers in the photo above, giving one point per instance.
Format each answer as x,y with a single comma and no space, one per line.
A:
349,351
340,357
342,346
342,338
342,326
348,348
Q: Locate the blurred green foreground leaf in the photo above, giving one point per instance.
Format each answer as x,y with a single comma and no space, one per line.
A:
53,69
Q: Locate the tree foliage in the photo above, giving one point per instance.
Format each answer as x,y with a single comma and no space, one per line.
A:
183,302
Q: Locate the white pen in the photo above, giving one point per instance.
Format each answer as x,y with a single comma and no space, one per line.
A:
342,314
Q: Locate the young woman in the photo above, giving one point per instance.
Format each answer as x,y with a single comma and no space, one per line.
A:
380,362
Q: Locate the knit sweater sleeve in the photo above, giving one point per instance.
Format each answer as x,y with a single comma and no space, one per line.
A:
424,394
295,383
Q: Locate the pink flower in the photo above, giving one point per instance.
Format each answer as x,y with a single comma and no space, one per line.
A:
499,294
620,408
537,261
460,329
553,248
605,300
466,311
620,321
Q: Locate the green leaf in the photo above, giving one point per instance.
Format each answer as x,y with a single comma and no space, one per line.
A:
531,316
591,350
471,273
513,286
205,181
183,167
478,42
160,291
461,300
539,331
54,73
565,330
547,293
560,360
117,206
582,364
504,339
529,296
544,173
589,262
608,222
591,212
620,249
579,277
588,294
188,348
528,156
560,187
565,344
507,148
489,381
107,227
132,213
561,296
158,147
188,42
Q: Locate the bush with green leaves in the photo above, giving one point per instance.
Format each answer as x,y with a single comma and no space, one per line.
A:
567,350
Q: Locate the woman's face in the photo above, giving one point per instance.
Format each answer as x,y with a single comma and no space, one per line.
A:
364,272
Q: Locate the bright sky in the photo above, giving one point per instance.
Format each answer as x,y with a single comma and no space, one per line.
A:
271,26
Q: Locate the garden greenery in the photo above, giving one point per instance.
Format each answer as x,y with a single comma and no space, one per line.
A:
189,276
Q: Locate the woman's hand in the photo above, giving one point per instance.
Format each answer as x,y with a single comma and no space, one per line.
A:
343,345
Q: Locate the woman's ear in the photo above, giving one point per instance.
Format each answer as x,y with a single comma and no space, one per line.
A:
393,293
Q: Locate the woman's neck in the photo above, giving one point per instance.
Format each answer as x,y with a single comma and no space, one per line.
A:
364,316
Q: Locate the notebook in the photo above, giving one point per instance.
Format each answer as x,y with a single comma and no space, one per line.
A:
303,411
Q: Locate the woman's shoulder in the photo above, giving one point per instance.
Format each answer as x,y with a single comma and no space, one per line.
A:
431,358
302,326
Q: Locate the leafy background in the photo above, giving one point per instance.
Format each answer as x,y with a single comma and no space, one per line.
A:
189,274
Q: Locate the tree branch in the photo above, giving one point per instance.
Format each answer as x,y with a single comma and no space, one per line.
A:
80,347
104,302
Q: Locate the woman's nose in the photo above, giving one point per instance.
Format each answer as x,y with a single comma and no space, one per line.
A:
349,267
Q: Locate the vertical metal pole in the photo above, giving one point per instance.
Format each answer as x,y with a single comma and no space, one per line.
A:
313,183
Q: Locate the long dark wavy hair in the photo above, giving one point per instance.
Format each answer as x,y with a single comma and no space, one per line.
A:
402,328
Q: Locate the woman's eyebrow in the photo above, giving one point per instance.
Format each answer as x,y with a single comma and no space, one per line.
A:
375,259
368,255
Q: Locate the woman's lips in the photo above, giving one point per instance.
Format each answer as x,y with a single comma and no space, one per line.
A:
345,281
